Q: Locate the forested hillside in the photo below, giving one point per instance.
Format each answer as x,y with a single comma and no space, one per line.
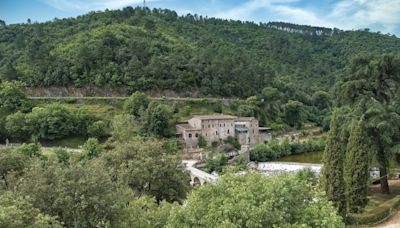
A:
158,50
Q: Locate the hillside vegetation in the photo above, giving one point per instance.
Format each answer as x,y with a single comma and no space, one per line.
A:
157,50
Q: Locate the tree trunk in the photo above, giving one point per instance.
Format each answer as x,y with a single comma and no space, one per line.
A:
384,180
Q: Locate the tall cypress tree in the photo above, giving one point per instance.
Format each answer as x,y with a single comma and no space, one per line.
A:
358,157
334,164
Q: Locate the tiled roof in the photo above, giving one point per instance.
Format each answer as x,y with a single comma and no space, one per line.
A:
187,127
245,118
215,117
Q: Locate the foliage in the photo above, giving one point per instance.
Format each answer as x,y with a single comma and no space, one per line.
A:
253,200
202,143
155,122
334,158
30,150
18,212
232,141
294,113
124,127
97,129
81,195
91,148
146,212
13,98
136,104
148,168
371,84
145,50
357,173
273,150
62,154
51,122
11,161
216,163
377,215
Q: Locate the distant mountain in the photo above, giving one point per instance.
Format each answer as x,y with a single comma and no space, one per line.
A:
158,50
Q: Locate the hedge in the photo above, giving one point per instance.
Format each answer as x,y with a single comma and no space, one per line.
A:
377,215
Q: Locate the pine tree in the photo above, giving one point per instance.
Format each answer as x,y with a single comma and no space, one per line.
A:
334,164
358,151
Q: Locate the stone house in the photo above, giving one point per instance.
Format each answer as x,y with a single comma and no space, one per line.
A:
219,127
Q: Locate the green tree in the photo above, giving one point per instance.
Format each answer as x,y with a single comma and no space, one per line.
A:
371,84
253,200
18,212
124,127
11,160
146,212
13,98
97,129
136,104
334,157
357,174
16,126
148,167
294,113
80,195
155,120
91,148
321,99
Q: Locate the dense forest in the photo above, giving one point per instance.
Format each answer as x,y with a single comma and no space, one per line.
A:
143,49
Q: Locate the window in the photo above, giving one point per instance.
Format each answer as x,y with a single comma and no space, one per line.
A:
228,131
190,135
220,125
224,125
206,134
197,135
209,126
212,125
216,132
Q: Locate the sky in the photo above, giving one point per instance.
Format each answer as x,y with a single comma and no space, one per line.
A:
377,15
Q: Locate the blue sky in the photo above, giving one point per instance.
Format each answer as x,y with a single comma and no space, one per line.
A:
378,15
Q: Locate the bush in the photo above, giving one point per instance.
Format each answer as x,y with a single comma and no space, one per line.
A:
31,149
232,141
91,148
97,129
216,163
62,155
215,144
378,214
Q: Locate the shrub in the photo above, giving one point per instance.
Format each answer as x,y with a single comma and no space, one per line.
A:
97,129
202,143
31,149
378,214
215,144
232,141
216,163
62,155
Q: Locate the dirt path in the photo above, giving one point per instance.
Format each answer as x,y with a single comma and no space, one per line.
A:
393,222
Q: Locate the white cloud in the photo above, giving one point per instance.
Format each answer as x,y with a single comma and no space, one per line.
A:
86,5
383,15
